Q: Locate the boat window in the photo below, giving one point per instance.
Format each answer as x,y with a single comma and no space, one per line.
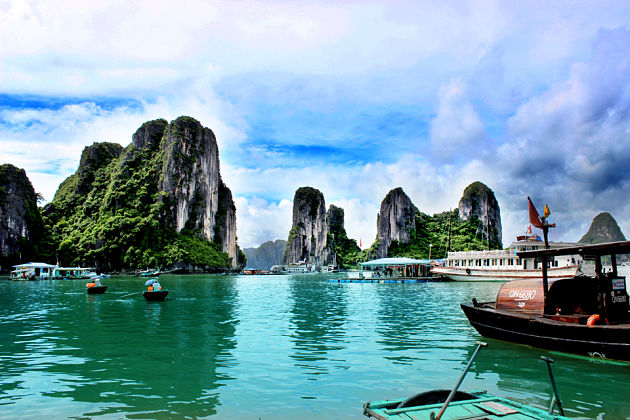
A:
501,262
486,262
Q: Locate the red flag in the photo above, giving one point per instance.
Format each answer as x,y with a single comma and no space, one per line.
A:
534,218
360,245
530,229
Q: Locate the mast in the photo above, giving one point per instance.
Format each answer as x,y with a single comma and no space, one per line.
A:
488,227
541,223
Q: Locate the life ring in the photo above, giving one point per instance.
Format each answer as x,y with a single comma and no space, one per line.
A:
594,319
468,271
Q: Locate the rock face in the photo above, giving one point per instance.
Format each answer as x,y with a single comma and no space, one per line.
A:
604,228
396,221
308,236
159,202
266,255
20,221
191,185
479,201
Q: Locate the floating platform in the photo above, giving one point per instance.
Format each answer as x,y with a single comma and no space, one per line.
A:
396,280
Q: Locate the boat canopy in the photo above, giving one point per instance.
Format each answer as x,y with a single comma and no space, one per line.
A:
586,251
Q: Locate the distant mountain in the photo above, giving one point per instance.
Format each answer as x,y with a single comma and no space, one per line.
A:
604,228
266,255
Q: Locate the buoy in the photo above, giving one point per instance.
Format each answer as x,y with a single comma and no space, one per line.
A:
593,319
468,271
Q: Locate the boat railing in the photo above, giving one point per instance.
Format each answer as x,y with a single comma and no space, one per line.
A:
496,253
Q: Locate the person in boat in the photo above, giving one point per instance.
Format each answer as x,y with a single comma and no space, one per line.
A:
157,286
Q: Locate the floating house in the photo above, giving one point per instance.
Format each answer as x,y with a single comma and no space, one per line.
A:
43,271
399,267
33,271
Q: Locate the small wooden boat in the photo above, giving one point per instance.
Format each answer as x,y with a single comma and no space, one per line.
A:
457,405
96,290
582,314
473,405
155,296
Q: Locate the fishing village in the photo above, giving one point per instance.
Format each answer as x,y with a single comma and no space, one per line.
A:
314,210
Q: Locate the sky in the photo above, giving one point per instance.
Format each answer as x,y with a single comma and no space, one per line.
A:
353,98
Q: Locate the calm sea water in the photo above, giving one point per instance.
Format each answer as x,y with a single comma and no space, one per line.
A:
269,347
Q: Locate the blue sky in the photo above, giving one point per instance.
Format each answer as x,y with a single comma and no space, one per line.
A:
353,98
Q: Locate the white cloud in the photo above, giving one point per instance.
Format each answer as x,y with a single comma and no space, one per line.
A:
457,125
258,220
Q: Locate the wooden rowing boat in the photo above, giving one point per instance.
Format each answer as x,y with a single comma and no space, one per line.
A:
155,296
464,405
96,290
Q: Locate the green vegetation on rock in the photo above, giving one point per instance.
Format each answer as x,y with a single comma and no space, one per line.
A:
434,230
112,214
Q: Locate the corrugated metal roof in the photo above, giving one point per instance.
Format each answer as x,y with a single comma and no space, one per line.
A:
395,261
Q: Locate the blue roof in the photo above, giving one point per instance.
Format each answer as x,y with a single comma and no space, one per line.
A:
36,265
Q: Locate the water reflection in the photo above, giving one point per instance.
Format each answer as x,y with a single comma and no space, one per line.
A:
125,355
318,318
415,320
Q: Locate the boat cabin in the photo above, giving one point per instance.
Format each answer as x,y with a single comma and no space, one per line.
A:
508,259
604,293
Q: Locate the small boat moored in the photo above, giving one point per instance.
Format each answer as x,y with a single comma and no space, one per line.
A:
582,314
457,405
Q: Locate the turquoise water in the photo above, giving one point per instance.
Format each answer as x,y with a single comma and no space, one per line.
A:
269,347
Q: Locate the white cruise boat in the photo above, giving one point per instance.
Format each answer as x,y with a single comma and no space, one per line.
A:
504,265
299,267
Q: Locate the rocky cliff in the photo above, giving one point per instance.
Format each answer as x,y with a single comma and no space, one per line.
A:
190,184
405,231
160,201
344,251
20,221
604,228
308,236
266,255
478,201
395,221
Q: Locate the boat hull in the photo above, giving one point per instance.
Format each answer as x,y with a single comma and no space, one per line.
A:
477,404
604,341
479,274
156,296
96,290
